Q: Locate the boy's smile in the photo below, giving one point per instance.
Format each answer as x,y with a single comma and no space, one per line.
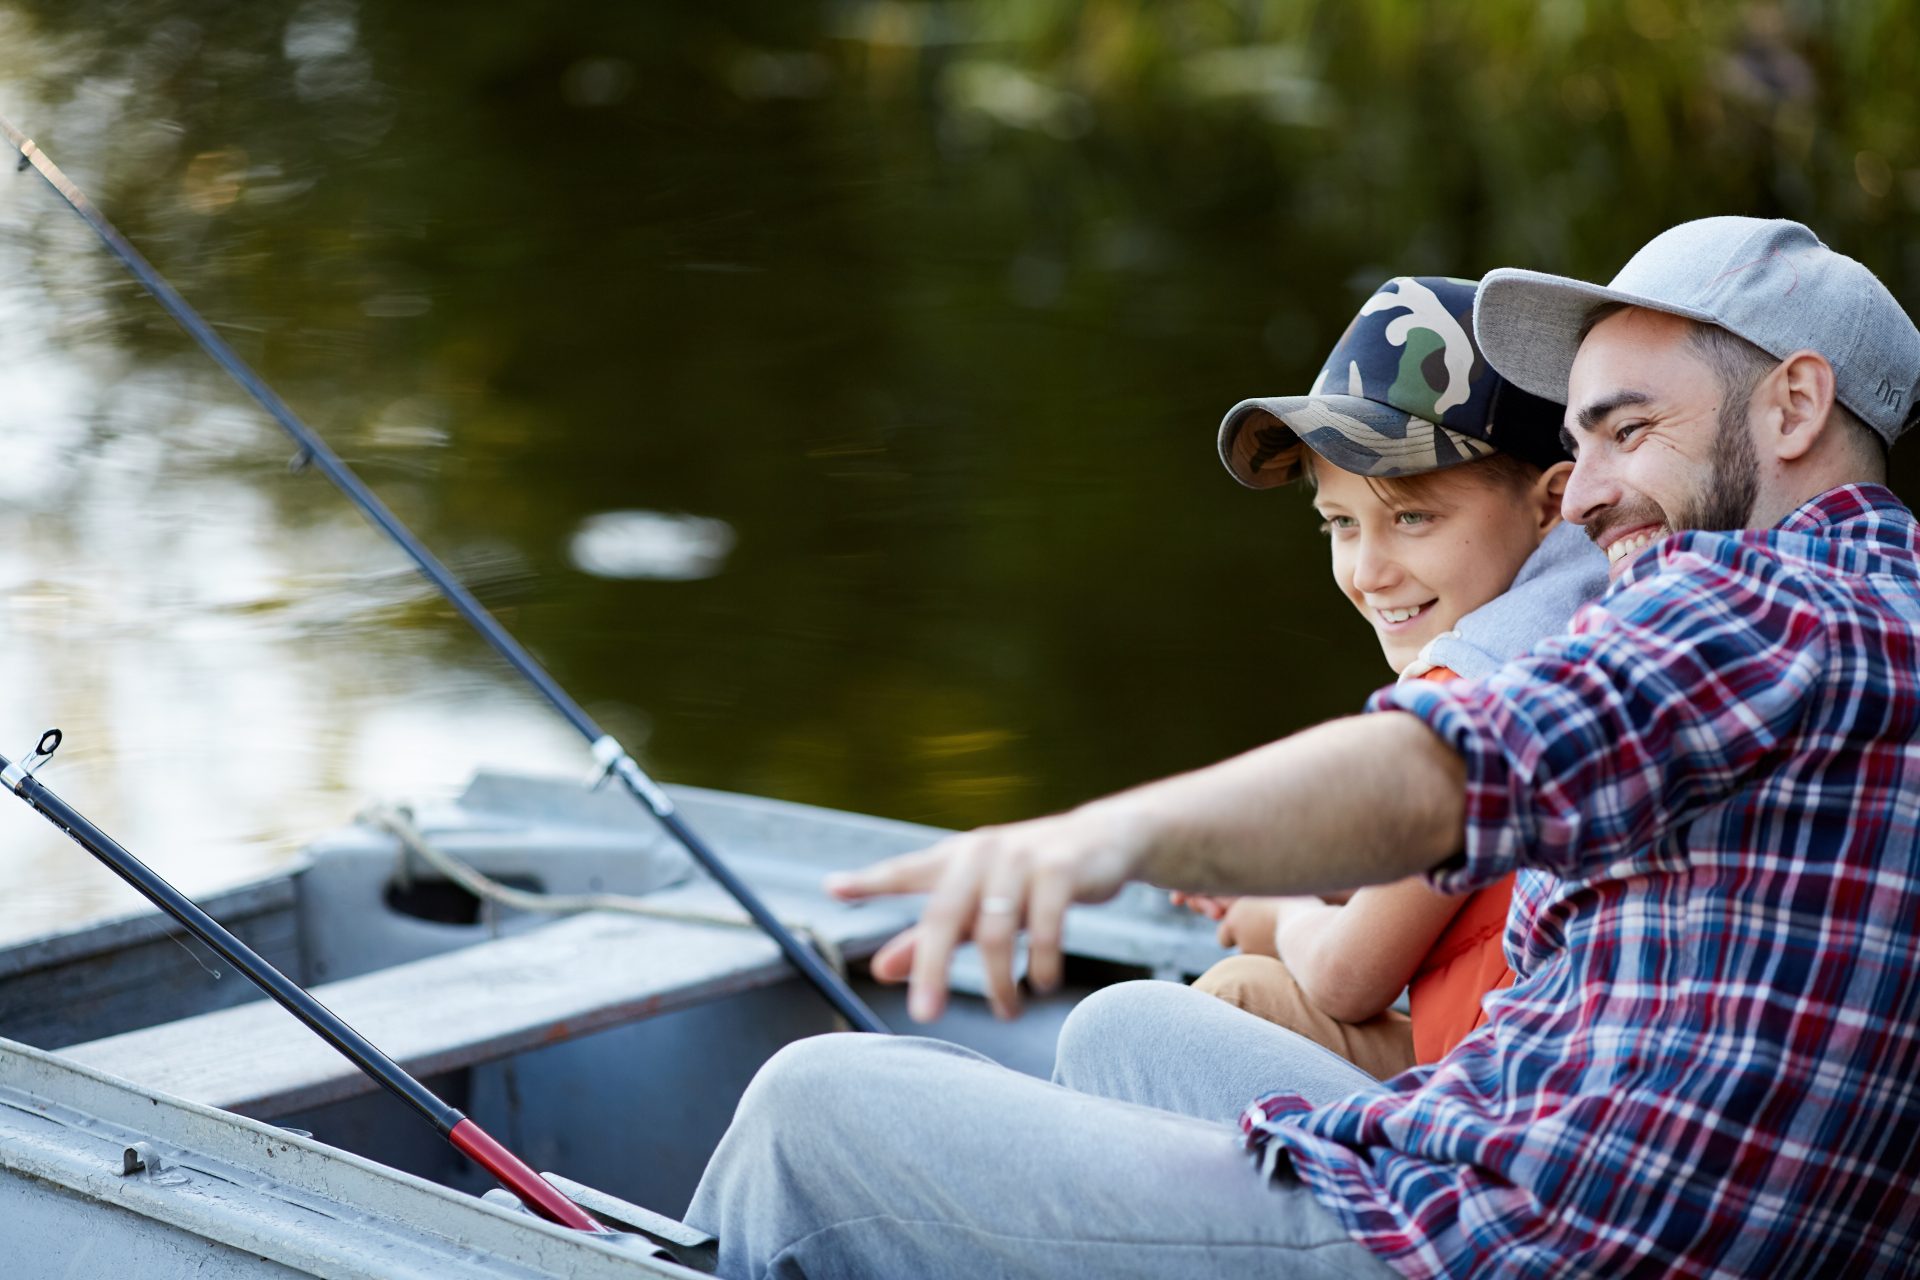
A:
1416,557
1391,617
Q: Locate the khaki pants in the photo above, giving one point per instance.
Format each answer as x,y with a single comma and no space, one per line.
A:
1382,1046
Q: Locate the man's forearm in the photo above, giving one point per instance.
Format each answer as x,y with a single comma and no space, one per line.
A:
1353,802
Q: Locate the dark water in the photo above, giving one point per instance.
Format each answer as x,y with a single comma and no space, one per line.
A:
824,391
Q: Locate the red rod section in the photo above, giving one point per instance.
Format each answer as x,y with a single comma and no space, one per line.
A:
534,1191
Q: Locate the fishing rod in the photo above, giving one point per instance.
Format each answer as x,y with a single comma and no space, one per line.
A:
607,752
476,1143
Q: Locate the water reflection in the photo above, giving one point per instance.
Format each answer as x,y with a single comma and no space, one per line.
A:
927,311
209,665
648,544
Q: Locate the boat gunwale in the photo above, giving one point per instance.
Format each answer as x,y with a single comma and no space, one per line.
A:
288,1175
142,923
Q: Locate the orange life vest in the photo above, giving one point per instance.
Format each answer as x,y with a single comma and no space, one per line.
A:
1466,962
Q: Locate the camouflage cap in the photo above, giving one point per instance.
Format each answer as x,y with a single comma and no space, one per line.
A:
1405,391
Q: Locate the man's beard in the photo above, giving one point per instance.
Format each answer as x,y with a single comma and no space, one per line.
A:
1724,500
1732,487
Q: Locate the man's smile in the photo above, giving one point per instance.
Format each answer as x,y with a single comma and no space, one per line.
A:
1622,547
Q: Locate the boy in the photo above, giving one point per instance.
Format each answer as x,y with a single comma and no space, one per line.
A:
1439,485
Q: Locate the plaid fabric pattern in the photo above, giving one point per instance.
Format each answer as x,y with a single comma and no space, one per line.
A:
1710,1062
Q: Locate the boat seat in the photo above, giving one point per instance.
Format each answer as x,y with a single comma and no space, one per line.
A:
581,974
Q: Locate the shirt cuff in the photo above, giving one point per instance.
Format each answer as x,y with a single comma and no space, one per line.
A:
1497,827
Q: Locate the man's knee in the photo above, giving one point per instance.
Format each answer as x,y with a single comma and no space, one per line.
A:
1103,1029
803,1077
793,1114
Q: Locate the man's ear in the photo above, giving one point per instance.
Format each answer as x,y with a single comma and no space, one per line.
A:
1793,405
1545,494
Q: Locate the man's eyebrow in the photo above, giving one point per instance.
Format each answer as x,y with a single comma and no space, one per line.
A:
1595,412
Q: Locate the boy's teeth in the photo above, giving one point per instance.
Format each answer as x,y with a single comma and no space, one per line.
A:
1618,551
1401,615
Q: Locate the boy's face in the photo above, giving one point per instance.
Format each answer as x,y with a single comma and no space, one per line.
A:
1414,567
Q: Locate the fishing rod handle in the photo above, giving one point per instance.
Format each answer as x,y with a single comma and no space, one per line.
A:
518,1177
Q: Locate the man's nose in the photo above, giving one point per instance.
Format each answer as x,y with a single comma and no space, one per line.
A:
1591,489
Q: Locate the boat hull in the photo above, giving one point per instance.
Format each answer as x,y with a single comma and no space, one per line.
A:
628,1095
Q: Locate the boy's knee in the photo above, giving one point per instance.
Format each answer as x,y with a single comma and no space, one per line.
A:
1241,980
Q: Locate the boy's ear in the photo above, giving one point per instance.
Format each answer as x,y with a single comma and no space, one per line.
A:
1545,494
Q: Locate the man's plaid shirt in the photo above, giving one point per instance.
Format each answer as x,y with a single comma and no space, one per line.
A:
1710,1061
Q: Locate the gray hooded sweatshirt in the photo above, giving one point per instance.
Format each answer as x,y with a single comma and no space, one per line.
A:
1563,573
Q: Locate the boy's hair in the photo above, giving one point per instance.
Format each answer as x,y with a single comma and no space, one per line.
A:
1496,470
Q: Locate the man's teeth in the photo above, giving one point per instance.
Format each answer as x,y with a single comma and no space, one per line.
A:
1618,551
1401,615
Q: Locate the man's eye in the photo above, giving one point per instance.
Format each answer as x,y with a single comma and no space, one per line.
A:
1625,429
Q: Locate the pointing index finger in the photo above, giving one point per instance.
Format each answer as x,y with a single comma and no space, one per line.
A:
906,873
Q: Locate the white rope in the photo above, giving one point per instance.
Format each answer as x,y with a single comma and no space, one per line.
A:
397,820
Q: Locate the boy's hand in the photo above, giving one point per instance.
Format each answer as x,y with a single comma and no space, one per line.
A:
1209,905
1248,924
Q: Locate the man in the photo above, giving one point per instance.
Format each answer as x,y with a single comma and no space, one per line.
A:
1710,1061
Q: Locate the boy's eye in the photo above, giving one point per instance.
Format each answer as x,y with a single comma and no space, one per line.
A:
1414,517
1332,523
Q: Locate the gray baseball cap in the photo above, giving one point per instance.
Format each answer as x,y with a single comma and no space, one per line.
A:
1769,281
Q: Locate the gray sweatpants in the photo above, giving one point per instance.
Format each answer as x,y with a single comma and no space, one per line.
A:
913,1159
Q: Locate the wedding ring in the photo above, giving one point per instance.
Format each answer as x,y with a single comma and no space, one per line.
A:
996,906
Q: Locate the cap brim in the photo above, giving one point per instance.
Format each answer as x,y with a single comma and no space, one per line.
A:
1261,439
1528,324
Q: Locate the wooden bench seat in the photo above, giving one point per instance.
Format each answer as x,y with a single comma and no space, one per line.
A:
563,980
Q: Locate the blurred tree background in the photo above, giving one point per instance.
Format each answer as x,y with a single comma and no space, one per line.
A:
935,305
